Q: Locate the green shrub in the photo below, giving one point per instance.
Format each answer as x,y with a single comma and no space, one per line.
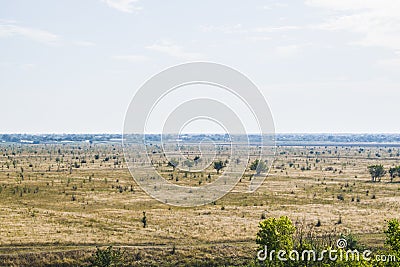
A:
393,235
108,257
279,235
276,234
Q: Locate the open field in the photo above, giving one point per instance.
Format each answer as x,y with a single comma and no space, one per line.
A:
57,202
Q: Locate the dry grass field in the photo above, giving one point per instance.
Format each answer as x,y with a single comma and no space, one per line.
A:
58,202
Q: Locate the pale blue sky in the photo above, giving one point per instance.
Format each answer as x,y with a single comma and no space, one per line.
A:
323,65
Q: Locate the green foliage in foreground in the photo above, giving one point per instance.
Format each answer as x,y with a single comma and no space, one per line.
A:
277,234
393,236
281,235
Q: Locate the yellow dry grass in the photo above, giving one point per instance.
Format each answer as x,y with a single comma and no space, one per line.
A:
83,195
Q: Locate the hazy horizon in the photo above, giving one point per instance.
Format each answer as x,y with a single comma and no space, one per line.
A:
199,133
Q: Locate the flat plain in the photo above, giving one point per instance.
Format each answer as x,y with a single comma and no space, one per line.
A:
59,201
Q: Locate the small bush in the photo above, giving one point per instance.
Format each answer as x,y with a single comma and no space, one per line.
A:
144,219
340,220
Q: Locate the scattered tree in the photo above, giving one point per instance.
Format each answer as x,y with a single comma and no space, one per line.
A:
173,163
394,172
377,172
219,165
259,166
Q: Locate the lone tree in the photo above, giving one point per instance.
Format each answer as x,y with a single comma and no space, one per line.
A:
173,163
219,165
196,159
394,172
258,166
377,172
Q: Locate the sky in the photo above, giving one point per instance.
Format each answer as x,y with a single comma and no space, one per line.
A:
324,66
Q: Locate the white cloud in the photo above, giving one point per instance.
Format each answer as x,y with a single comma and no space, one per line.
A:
123,5
377,22
131,58
174,50
10,29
